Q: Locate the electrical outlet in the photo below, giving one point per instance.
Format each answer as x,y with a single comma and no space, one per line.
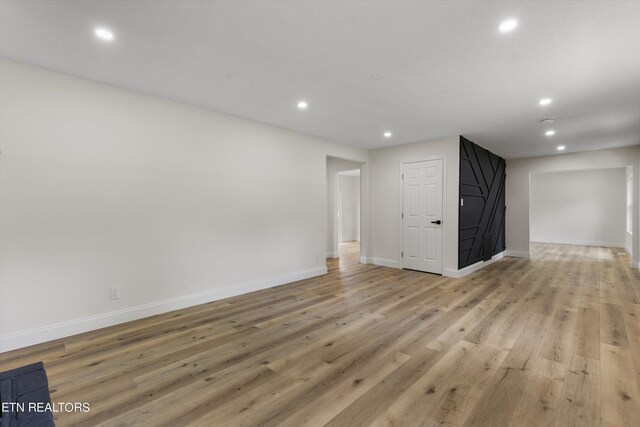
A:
114,293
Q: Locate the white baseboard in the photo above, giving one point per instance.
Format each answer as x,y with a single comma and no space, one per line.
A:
333,254
363,260
456,274
384,262
90,323
518,254
577,242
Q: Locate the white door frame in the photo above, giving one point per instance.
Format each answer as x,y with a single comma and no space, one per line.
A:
339,210
445,222
364,211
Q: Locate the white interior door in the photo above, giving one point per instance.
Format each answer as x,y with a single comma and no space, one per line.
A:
422,216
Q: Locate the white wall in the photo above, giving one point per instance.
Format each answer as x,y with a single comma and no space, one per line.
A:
349,207
102,187
334,166
586,207
386,196
518,188
174,205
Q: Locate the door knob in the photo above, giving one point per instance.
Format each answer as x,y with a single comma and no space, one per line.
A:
436,222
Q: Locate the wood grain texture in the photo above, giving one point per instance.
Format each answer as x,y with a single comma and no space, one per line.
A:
551,341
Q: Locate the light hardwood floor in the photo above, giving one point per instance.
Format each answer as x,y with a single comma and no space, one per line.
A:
549,341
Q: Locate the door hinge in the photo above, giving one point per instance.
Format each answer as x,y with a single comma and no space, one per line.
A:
401,254
402,176
402,215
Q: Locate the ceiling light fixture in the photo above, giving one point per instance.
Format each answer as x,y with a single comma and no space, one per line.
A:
545,101
550,132
508,25
303,105
104,34
561,147
387,134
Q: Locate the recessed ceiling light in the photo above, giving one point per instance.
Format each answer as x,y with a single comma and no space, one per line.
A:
550,132
387,134
548,122
561,147
508,25
104,34
545,101
303,105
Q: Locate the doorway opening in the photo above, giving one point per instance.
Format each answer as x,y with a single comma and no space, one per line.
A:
344,194
348,214
587,207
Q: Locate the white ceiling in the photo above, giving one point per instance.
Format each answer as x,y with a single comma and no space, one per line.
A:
448,70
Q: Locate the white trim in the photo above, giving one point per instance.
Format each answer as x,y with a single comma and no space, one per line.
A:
445,164
333,254
384,262
517,254
90,323
628,239
363,260
365,235
576,242
634,265
456,274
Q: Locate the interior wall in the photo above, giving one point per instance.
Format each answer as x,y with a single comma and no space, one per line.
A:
482,205
518,189
335,165
173,205
586,207
386,198
349,207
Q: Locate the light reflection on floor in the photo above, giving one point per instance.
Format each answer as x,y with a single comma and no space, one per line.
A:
564,252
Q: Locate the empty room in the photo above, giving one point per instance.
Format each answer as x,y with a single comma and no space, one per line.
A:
319,213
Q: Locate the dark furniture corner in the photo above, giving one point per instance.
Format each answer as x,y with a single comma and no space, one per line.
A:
20,387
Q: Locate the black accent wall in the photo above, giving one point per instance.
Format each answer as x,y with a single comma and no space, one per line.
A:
482,204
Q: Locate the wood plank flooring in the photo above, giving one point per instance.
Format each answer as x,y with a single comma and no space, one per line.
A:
552,341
